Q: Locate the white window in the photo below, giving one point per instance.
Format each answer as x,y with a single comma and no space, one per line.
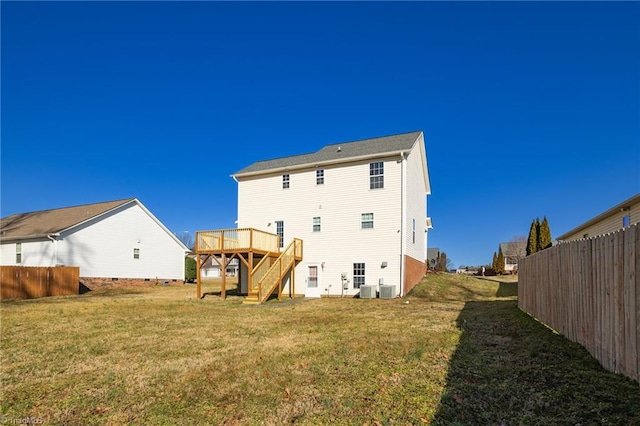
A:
280,231
320,177
358,275
376,175
18,252
626,220
366,221
136,253
285,181
414,231
316,224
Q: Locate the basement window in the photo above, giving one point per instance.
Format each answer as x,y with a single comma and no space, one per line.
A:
136,253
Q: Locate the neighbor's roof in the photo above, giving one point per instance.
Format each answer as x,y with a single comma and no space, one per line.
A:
433,253
47,222
337,152
514,248
613,210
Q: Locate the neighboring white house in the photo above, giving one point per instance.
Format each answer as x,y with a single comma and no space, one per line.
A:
617,217
111,241
513,251
359,207
211,268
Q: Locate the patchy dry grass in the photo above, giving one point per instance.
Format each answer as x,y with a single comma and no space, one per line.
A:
459,352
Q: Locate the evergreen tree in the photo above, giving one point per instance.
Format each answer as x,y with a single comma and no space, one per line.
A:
544,235
532,240
442,262
494,262
500,262
189,269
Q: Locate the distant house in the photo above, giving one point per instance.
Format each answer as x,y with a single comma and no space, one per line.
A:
211,268
618,217
433,254
110,241
513,252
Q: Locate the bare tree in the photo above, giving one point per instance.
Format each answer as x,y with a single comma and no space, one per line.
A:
520,249
186,239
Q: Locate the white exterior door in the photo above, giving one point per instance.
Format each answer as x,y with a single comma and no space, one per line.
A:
313,281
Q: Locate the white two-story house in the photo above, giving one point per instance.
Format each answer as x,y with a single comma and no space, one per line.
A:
359,208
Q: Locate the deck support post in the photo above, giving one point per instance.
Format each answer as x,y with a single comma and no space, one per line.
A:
223,272
198,287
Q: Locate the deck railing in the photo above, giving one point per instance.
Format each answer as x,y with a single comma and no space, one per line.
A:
241,239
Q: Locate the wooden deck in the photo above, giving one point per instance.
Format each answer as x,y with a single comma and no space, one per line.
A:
259,251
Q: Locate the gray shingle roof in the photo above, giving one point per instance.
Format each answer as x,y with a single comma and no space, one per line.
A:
338,151
46,222
514,248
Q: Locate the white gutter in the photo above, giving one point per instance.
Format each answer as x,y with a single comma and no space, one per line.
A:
403,209
315,164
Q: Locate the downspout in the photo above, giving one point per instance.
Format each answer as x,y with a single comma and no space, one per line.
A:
54,240
403,209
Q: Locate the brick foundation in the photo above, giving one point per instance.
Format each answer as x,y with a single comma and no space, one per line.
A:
93,283
414,271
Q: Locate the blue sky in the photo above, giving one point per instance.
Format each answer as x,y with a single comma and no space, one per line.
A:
528,109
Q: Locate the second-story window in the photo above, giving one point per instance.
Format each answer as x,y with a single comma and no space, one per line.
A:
316,224
285,181
366,220
376,175
136,253
18,252
320,177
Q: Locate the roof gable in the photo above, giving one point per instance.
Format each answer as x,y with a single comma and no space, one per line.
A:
336,153
46,222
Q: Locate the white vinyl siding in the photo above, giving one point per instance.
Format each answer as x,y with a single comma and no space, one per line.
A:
32,253
340,207
416,205
104,248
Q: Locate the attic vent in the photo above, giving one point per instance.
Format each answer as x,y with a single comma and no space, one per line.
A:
367,292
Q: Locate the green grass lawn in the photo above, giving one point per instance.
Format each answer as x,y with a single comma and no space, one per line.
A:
455,351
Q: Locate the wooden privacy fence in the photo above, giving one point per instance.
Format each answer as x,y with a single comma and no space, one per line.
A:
28,282
588,291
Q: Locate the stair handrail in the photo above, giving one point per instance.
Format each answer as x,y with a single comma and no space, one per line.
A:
282,269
